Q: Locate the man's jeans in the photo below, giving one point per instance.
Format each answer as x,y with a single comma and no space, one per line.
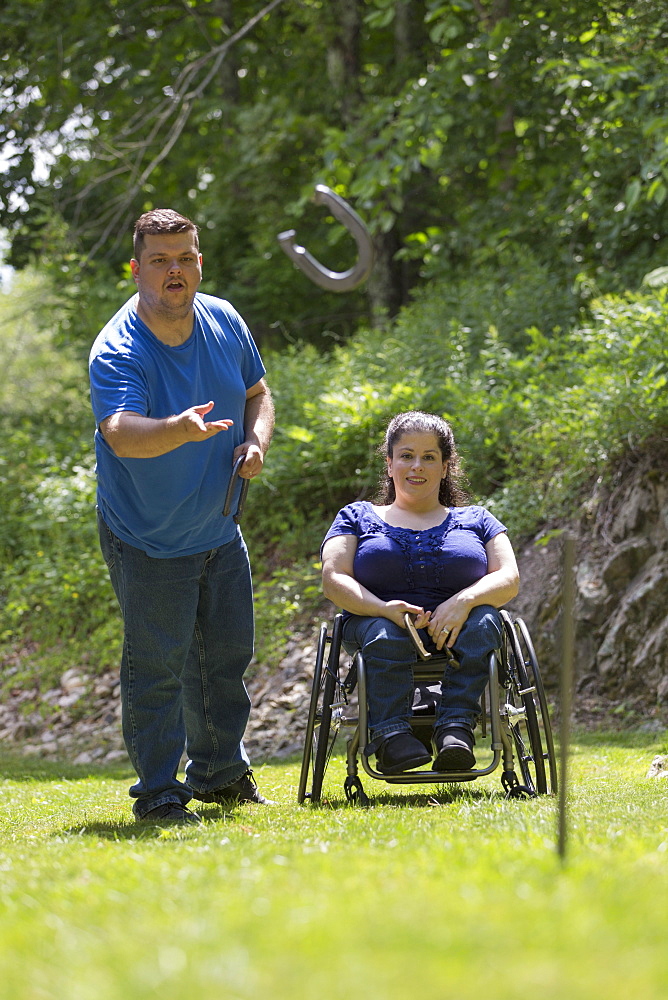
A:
187,643
389,656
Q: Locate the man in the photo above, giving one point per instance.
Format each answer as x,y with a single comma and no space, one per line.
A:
178,393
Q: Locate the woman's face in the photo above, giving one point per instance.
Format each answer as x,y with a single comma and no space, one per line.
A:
417,466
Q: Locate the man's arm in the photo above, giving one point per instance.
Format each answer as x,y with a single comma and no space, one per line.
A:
258,428
132,435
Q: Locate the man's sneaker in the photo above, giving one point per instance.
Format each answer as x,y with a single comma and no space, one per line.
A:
454,750
401,752
171,812
244,789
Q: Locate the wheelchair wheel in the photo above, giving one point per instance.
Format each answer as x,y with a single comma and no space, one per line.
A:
319,739
312,713
536,680
522,709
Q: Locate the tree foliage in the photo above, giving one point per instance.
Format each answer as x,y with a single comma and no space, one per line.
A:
456,128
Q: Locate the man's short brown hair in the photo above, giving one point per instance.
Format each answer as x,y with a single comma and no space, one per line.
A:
157,221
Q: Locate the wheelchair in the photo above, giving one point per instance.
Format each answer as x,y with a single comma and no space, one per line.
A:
514,717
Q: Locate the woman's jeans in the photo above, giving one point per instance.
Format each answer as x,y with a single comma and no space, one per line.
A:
188,640
389,655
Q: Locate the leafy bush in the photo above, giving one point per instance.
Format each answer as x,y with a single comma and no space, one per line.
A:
532,421
600,392
536,414
54,587
285,601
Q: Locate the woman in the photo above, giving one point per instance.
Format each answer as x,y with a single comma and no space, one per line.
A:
420,551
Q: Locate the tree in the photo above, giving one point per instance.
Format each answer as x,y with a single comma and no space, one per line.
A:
456,128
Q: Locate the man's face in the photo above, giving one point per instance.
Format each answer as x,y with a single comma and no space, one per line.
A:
168,274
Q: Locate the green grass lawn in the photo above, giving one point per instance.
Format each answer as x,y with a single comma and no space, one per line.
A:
465,897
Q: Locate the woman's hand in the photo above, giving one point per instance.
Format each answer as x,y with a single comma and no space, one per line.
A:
498,586
395,611
447,620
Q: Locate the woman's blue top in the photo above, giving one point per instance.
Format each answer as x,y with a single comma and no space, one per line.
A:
423,567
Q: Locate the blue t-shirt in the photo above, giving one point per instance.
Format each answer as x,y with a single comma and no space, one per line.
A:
423,567
171,505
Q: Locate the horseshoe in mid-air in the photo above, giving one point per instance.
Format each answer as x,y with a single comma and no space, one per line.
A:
333,281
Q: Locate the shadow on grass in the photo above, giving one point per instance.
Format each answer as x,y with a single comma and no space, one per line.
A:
133,830
441,795
124,831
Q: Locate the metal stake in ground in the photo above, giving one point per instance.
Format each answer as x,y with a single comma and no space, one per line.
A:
567,659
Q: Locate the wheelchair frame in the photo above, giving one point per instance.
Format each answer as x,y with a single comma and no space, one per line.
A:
514,705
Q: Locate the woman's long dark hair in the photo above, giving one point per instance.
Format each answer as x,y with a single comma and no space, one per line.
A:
451,492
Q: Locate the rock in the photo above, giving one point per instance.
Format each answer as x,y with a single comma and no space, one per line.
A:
72,680
625,562
621,626
659,767
66,700
662,689
105,685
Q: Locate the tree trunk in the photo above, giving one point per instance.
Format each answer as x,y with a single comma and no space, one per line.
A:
343,56
385,286
229,79
409,29
505,125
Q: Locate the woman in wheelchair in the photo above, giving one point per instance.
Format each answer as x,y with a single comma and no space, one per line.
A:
420,550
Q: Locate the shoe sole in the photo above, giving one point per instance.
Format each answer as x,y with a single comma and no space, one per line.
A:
454,759
405,765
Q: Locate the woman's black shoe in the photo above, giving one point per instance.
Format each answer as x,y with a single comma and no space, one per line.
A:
401,752
454,750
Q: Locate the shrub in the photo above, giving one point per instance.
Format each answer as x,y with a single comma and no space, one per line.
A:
532,422
535,417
